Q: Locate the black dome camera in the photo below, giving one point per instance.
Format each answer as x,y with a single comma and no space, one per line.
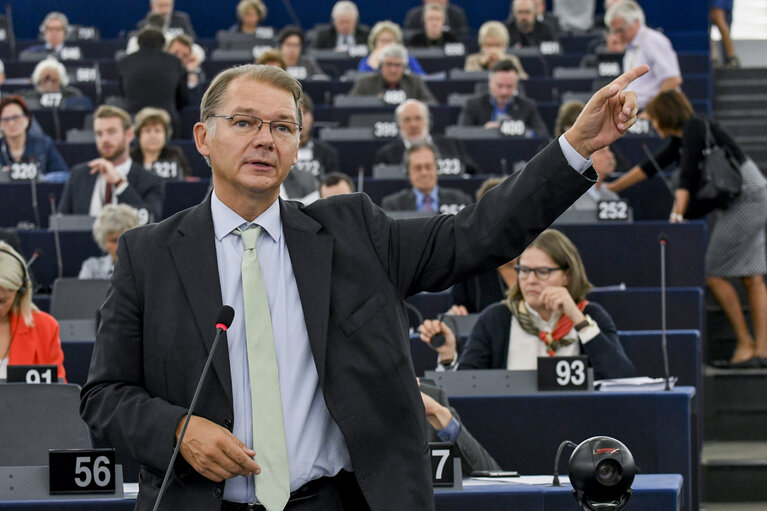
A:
601,472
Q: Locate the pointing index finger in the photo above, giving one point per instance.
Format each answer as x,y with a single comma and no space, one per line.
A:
629,76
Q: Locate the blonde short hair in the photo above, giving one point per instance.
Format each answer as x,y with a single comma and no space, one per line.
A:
384,26
494,29
13,276
113,219
257,5
109,111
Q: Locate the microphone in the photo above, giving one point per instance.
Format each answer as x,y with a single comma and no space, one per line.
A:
504,167
223,321
56,236
360,179
33,190
662,239
566,443
35,256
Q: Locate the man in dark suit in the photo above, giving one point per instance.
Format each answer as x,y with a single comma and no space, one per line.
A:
54,29
113,178
345,32
525,29
501,103
456,18
314,156
425,195
152,77
336,273
391,83
413,122
175,22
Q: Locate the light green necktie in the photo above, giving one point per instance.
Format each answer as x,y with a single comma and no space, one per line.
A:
273,483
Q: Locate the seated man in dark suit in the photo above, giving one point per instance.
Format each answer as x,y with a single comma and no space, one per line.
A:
153,77
391,82
425,196
501,103
336,183
445,426
456,22
113,178
314,156
54,28
434,32
176,22
526,30
413,122
345,31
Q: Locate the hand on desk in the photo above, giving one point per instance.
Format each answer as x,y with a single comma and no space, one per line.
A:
432,327
608,114
214,451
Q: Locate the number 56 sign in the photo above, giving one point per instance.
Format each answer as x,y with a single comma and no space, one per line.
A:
82,470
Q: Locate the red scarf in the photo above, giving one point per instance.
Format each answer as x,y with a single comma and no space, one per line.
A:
563,326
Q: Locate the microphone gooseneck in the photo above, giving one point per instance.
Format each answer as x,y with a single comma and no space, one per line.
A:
662,240
223,321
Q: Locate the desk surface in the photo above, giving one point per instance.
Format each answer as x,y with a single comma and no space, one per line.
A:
659,492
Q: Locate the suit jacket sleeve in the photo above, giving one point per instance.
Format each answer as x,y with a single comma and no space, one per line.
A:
536,122
473,455
66,203
470,113
144,190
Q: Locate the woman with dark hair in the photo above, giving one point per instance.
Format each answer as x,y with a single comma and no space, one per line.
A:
19,146
545,313
27,335
152,129
736,244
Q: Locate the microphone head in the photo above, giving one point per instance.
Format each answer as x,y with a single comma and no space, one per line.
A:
662,238
225,317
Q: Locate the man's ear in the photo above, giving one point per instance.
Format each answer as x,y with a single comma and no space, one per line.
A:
201,134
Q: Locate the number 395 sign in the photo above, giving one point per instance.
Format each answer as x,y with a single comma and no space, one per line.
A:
82,470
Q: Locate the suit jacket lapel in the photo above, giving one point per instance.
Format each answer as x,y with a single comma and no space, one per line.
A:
194,252
311,254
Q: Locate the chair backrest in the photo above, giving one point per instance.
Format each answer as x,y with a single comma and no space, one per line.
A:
330,134
471,132
84,135
575,72
74,298
360,101
35,418
389,171
461,325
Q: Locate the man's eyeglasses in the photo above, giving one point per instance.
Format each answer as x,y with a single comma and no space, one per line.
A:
250,125
541,272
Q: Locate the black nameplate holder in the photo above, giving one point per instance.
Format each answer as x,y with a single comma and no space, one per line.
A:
32,374
565,374
81,471
445,465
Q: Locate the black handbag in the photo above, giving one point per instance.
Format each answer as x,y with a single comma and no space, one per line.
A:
720,181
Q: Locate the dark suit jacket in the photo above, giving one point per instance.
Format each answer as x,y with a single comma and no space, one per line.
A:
456,19
178,20
488,344
540,33
404,200
473,455
145,190
353,266
393,153
326,39
478,110
153,78
373,85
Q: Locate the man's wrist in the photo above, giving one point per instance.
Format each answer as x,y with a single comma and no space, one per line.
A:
579,144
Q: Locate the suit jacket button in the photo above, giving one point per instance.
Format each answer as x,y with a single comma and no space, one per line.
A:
228,424
217,492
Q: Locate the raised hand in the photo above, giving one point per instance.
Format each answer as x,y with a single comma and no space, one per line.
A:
608,114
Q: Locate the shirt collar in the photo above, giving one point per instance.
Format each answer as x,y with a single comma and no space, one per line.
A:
408,143
640,33
420,195
124,168
539,321
225,220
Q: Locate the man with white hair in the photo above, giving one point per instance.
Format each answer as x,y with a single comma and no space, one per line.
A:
414,124
345,32
644,46
391,82
176,22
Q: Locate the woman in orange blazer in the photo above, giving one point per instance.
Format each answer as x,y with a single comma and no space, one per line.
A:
27,335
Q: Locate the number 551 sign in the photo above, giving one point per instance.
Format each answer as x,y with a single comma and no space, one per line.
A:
82,470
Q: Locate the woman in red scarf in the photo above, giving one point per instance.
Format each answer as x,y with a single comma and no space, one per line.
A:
544,313
27,336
